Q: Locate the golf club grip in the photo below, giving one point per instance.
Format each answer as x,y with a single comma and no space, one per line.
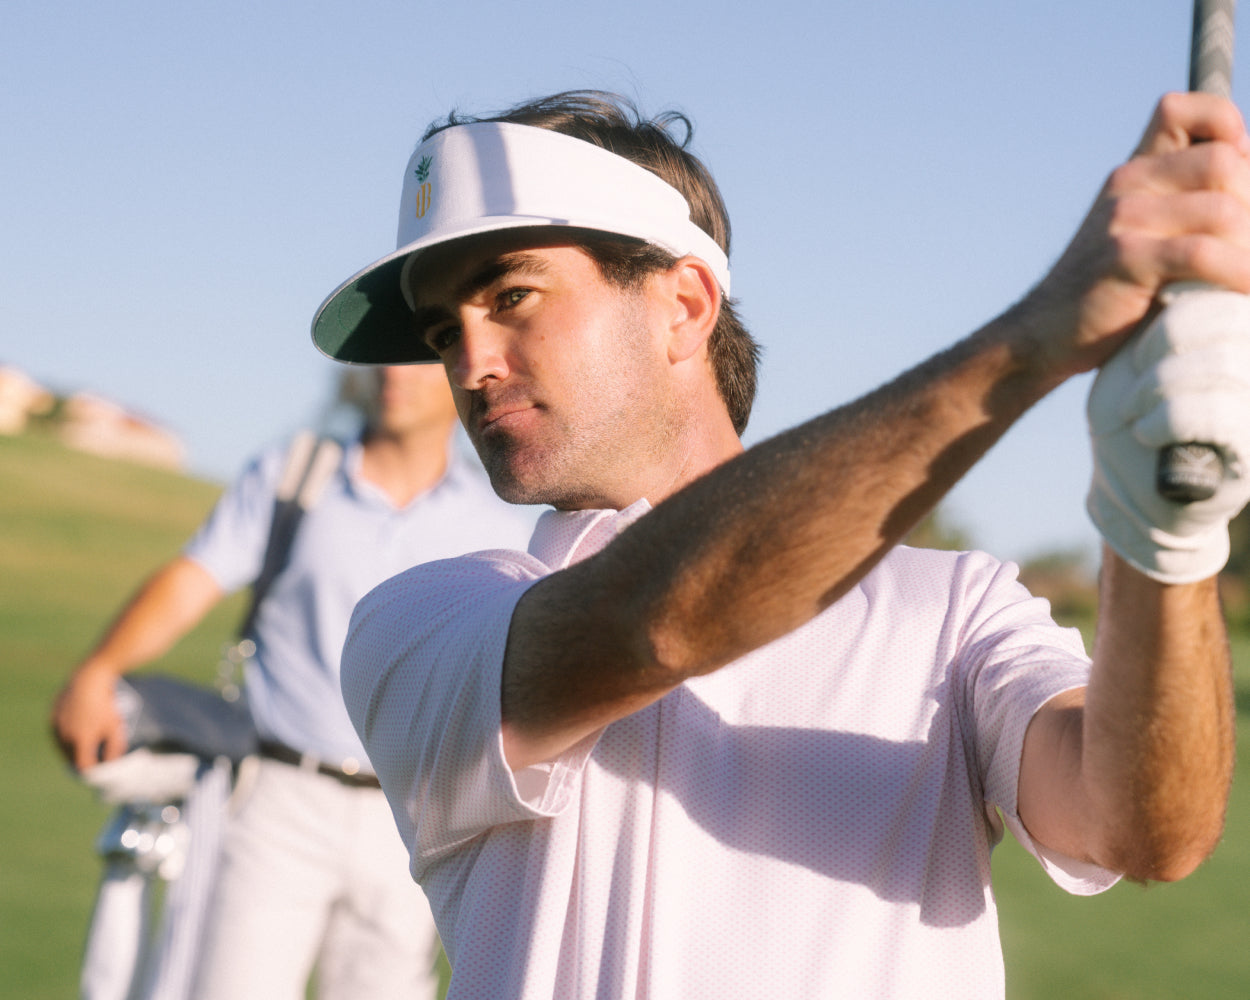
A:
1192,471
1211,47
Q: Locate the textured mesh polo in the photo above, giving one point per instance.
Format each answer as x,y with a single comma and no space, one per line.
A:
813,820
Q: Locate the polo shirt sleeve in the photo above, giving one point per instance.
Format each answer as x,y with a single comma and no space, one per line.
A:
1014,658
231,543
421,675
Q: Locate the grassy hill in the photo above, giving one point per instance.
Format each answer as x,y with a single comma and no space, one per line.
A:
78,534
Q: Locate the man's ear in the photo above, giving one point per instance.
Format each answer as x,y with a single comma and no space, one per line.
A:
694,302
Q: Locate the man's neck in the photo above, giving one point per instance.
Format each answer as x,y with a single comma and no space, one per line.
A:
405,465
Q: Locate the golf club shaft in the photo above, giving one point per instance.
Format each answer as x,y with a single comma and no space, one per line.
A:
1192,471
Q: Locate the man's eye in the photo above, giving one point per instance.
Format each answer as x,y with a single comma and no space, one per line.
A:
512,296
440,338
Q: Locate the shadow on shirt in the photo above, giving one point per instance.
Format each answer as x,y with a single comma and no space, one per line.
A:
904,819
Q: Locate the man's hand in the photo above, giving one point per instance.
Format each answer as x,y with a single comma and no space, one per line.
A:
1185,378
84,720
1178,210
1133,772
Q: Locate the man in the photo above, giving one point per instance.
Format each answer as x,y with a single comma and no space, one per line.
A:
716,734
312,871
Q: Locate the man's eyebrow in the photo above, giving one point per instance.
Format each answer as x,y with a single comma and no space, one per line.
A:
504,265
513,263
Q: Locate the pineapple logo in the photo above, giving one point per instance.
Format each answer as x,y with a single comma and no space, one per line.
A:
423,192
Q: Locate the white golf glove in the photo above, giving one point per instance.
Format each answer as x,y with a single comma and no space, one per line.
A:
1184,378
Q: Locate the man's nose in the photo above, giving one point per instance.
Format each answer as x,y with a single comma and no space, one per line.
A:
480,354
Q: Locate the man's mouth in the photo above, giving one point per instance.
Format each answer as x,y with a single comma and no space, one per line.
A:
498,413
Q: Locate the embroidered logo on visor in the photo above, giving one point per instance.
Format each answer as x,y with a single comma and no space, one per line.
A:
423,192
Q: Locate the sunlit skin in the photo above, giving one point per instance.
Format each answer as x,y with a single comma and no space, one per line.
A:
565,383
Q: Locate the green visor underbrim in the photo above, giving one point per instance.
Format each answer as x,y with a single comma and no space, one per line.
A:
367,322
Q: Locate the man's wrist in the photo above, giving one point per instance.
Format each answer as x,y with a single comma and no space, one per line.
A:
1158,554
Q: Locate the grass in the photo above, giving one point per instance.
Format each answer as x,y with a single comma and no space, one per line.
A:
78,535
1184,939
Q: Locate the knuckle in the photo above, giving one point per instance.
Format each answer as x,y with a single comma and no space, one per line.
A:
1198,254
1129,256
1169,107
1222,164
1123,245
1227,214
1123,179
1123,212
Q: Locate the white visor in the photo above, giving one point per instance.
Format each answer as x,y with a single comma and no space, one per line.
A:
486,176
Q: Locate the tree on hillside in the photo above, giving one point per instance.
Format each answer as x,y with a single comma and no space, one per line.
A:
1065,579
937,531
1235,579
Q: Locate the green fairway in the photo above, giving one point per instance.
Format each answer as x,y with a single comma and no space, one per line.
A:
1143,943
78,534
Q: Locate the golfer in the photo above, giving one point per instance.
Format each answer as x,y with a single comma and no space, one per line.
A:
717,733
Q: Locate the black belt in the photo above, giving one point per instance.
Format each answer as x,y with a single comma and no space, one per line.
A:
282,752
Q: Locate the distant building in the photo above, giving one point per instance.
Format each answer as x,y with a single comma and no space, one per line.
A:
88,422
20,397
103,427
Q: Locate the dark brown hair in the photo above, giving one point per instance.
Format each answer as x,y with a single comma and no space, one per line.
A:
615,124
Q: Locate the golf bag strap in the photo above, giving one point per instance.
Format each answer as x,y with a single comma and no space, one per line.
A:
310,462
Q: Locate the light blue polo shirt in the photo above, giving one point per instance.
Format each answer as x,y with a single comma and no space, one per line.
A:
352,540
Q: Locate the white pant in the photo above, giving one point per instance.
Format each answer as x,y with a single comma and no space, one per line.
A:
314,872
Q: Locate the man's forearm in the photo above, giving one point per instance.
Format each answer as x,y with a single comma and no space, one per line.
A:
168,605
761,544
1133,771
1159,722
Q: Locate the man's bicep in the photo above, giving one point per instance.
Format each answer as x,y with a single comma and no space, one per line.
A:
572,665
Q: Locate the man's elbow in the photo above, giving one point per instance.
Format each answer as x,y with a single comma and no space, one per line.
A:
1167,855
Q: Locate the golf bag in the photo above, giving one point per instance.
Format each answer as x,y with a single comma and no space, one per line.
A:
189,747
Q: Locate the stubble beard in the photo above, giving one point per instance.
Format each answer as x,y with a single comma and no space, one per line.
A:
565,475
592,456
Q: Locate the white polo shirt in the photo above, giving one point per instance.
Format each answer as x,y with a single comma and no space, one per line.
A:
813,820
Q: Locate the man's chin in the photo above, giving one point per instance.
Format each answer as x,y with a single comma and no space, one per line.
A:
534,490
521,497
515,488
535,476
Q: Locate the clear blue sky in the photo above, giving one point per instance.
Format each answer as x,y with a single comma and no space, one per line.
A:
184,183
